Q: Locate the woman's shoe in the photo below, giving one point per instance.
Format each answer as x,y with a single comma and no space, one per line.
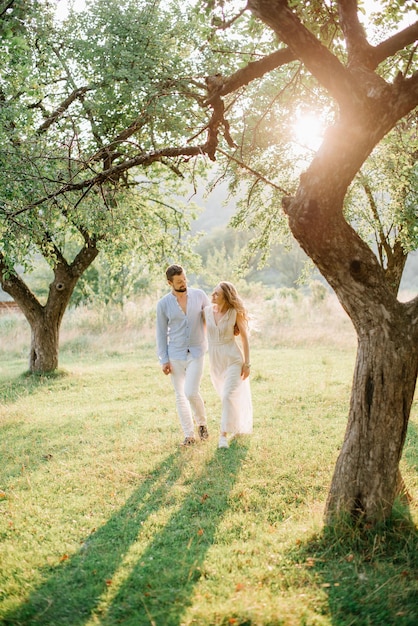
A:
223,442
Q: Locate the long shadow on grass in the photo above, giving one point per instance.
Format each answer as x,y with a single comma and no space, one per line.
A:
159,585
71,591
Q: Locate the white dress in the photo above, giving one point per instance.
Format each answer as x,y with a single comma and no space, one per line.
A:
226,359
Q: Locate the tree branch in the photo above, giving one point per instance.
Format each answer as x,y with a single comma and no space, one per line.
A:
358,48
87,109
20,292
395,43
50,250
223,25
382,242
320,62
217,86
256,174
255,69
115,171
395,255
138,123
76,94
84,259
353,87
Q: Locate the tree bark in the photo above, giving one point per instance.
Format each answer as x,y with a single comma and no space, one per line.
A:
44,348
365,481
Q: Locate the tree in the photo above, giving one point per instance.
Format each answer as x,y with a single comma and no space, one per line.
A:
82,104
369,98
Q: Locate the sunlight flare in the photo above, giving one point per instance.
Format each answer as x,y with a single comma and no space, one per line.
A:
308,130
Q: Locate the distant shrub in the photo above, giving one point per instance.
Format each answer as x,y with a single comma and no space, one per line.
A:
8,323
318,291
289,292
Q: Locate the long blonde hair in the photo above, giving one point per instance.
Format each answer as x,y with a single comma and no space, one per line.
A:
233,300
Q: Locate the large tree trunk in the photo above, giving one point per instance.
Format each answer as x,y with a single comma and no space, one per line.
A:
44,346
366,476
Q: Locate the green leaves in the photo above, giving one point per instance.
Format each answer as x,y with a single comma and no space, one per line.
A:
78,98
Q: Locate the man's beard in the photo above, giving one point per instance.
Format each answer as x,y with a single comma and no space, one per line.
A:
181,290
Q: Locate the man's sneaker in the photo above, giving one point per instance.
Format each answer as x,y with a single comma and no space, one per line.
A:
203,432
223,442
189,441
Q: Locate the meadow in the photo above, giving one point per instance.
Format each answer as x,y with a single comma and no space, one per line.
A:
105,520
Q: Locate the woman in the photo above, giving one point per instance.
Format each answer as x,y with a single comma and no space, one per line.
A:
229,366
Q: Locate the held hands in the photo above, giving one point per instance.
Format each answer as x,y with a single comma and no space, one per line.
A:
166,367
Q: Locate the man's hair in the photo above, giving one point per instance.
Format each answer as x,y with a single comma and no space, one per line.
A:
173,270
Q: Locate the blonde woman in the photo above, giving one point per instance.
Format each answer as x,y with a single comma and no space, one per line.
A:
229,364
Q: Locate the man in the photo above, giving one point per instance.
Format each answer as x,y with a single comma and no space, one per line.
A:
181,345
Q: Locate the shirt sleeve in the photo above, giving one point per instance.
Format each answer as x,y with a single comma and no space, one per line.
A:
162,333
206,301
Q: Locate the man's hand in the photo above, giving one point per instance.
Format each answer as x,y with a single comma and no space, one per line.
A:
166,367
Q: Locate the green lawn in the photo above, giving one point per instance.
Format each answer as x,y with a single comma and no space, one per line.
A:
105,520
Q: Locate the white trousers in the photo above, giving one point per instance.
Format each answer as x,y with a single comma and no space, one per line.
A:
186,377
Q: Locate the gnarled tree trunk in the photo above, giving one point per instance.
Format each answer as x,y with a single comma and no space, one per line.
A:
366,476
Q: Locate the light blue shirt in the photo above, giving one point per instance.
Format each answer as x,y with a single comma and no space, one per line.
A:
179,333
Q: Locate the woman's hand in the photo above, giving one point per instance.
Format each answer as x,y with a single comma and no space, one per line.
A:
245,371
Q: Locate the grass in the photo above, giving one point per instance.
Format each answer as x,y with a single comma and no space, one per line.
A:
105,521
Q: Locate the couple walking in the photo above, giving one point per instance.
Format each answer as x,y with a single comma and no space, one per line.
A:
186,325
